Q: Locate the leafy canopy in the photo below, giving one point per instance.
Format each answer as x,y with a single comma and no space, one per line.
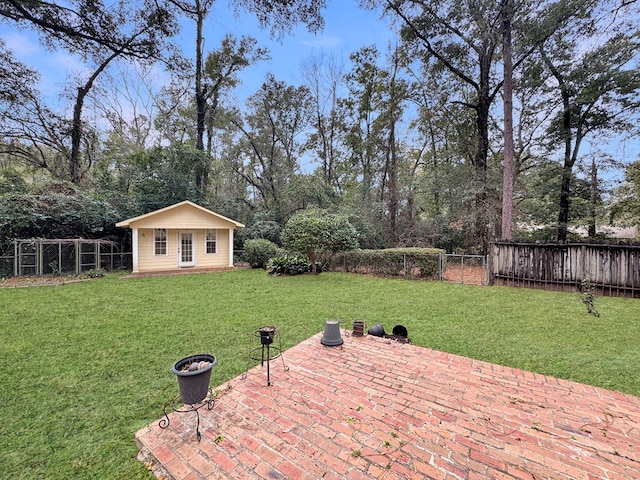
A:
319,235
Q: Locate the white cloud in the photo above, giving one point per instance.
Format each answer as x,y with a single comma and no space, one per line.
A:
21,44
65,62
322,41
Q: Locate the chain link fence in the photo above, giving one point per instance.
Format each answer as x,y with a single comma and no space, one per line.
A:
445,267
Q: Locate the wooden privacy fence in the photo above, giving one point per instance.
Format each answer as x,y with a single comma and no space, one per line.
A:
613,270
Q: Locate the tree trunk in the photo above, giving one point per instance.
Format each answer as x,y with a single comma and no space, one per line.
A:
76,126
392,204
569,159
76,135
563,214
508,173
433,152
567,167
201,98
392,153
482,214
593,198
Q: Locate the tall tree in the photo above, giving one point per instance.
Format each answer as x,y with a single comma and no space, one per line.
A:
446,139
374,112
462,37
363,107
597,90
272,143
397,93
198,11
220,76
508,164
96,32
280,16
324,76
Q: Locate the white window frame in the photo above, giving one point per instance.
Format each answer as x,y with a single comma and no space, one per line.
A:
207,241
158,242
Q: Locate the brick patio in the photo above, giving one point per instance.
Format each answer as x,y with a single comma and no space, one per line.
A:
376,408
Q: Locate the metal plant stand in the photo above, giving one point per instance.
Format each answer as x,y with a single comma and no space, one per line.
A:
269,349
176,405
193,374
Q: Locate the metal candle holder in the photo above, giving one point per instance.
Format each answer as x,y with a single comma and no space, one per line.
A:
267,351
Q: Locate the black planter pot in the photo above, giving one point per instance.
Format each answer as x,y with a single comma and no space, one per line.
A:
377,330
331,336
400,331
194,385
267,334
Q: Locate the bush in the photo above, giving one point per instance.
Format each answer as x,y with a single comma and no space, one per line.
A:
258,251
54,210
263,229
96,273
288,265
319,235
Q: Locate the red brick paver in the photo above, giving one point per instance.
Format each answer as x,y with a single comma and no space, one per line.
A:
376,408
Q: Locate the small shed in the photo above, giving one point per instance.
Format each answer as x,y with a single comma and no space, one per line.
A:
180,236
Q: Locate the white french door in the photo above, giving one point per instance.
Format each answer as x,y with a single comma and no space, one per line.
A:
186,250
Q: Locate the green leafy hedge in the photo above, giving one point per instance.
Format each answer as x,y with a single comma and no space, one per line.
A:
258,251
393,262
288,265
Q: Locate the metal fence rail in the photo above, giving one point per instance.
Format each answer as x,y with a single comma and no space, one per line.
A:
63,256
465,269
446,267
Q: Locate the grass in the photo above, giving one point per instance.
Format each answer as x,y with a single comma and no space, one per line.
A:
88,364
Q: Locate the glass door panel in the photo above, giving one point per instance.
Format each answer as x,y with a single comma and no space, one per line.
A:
186,254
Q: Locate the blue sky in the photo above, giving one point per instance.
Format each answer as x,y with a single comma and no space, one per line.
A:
347,29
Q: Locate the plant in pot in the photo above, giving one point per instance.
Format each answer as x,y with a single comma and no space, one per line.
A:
194,373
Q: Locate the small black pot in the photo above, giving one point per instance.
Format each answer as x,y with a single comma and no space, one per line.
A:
377,330
400,331
267,334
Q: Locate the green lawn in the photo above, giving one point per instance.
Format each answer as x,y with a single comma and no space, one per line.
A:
88,364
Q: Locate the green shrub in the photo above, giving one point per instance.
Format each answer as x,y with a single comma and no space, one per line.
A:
263,229
319,235
258,251
96,273
587,296
288,265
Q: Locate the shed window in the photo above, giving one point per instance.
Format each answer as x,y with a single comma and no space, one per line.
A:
160,241
211,241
